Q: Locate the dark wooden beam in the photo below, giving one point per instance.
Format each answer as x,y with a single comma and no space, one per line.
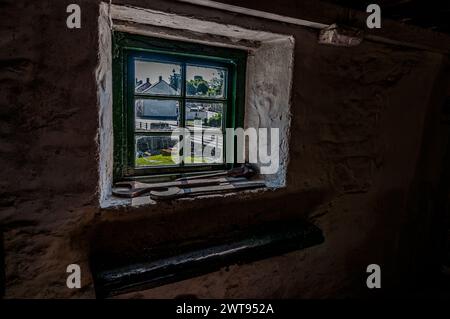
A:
317,14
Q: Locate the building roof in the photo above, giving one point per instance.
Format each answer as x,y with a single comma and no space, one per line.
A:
143,87
160,88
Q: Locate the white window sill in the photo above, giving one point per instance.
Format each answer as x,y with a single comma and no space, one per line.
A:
114,202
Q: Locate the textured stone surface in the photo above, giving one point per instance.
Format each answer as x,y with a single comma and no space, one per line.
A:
359,119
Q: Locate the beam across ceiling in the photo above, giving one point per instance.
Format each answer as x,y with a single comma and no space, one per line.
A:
318,15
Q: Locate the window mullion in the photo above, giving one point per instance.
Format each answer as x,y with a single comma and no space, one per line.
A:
183,106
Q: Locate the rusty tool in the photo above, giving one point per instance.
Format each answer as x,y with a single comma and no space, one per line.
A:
176,192
133,188
245,170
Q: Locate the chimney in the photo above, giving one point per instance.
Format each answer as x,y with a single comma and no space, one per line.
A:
160,78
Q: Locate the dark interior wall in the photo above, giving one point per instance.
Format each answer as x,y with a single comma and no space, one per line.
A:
360,120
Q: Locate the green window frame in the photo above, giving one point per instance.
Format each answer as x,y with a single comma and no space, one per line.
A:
129,47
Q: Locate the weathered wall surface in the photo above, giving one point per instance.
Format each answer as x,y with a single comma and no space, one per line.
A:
359,118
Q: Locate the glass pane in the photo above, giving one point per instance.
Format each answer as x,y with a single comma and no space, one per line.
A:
155,150
157,78
205,81
156,114
206,147
204,115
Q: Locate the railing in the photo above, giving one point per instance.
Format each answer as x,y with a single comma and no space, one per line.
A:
142,125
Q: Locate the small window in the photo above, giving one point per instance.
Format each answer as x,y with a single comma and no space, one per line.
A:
162,87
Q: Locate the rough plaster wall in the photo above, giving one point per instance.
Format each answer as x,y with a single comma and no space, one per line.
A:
268,97
359,131
103,77
48,152
357,126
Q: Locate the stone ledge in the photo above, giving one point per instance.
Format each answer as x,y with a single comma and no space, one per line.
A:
117,274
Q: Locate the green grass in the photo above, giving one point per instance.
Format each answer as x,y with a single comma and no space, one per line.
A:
154,160
161,160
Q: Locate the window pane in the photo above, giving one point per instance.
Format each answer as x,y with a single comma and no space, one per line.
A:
206,148
156,114
205,81
157,78
154,150
204,115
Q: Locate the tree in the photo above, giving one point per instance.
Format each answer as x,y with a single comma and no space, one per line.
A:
190,88
216,85
199,86
202,88
175,80
215,120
